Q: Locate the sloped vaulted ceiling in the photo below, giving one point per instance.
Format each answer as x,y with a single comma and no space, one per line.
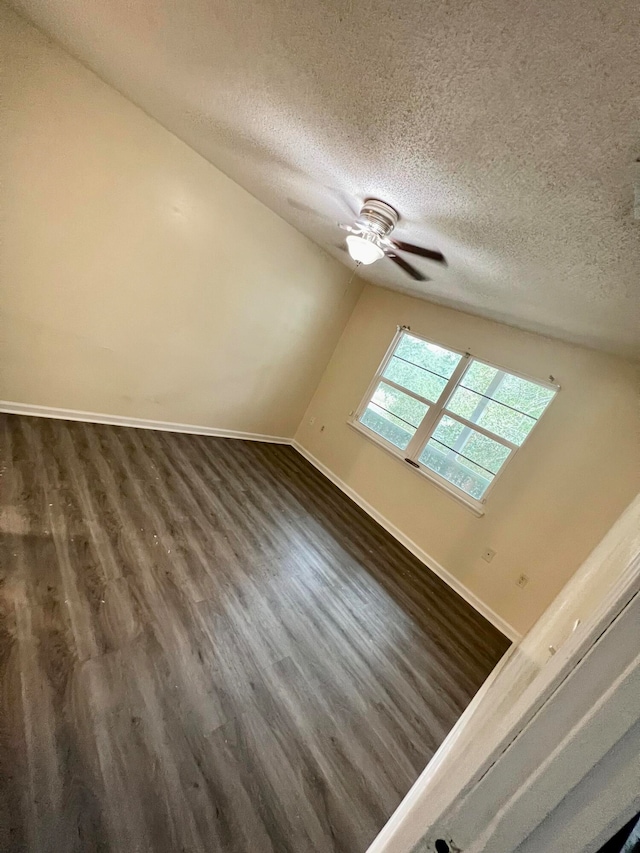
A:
504,131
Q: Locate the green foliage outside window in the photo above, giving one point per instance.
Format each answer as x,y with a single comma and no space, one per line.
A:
501,403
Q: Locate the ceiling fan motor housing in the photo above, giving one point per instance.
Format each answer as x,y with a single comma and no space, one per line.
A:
378,217
369,240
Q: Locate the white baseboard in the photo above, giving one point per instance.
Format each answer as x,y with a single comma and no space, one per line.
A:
470,597
137,423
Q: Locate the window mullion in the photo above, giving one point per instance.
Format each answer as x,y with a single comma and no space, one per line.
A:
479,429
414,448
480,407
404,390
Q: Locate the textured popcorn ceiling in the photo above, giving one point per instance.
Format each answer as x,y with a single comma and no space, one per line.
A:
504,131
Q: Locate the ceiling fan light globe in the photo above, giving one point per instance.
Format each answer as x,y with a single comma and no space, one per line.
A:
362,250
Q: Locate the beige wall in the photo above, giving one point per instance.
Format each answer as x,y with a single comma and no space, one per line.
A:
556,498
136,278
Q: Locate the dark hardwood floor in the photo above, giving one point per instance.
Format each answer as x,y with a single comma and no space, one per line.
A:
205,646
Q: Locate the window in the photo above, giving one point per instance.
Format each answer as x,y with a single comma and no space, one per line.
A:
452,416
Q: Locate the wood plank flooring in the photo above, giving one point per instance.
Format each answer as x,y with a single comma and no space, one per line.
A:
205,646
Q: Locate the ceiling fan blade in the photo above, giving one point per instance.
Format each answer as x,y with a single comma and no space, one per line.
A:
410,270
432,254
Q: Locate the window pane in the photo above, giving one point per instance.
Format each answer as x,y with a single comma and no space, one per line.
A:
429,356
520,394
500,402
394,415
487,454
416,379
464,457
527,397
491,415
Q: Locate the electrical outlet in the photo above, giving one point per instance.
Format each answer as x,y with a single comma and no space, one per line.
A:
488,555
522,581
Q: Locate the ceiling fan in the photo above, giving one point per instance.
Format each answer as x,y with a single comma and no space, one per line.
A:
369,240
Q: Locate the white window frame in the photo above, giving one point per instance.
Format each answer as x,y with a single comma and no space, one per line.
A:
437,410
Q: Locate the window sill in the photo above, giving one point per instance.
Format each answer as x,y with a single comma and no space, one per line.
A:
473,506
